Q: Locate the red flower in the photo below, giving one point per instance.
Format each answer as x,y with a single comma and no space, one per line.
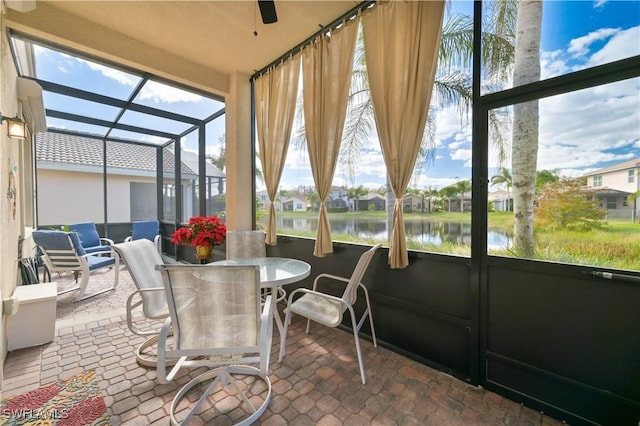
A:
201,231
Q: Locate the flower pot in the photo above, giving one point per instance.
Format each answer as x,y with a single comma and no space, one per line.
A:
204,252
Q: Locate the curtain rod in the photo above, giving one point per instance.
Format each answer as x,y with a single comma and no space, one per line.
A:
336,23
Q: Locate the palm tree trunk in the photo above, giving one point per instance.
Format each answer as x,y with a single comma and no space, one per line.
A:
524,154
391,200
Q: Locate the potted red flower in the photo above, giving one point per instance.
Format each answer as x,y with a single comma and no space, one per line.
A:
203,233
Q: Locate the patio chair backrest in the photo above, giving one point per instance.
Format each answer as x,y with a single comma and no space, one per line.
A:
62,250
214,309
242,244
147,229
88,233
351,291
141,258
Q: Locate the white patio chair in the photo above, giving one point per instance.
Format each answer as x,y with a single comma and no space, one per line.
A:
218,323
328,310
62,252
141,257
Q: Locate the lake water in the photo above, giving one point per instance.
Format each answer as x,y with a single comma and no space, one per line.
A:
423,231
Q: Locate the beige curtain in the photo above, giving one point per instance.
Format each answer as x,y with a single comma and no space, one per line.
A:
327,68
401,40
275,96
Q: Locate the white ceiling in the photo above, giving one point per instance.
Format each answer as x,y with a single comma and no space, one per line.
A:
215,35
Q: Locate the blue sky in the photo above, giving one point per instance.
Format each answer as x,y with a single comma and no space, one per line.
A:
578,133
576,34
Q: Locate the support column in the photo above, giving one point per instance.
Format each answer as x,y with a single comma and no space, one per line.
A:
239,172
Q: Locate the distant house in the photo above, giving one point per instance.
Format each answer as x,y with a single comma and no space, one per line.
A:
337,204
338,192
294,205
372,201
612,186
502,200
412,203
263,200
71,185
457,203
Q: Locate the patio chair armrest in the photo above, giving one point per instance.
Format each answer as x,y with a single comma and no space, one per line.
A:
106,241
329,276
131,306
137,293
129,238
317,293
110,251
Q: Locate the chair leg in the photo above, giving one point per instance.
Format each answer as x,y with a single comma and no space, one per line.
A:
224,376
283,337
354,324
84,280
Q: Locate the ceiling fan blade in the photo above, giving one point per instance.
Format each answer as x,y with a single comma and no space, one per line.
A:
268,11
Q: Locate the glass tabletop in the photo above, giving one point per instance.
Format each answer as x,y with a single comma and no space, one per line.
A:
274,271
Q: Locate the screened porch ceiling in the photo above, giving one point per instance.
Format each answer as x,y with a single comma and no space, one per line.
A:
71,50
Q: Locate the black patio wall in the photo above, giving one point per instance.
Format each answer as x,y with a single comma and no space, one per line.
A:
552,336
567,341
421,311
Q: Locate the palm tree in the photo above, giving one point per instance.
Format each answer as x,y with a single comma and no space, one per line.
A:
503,177
430,193
462,187
451,87
524,145
355,193
448,192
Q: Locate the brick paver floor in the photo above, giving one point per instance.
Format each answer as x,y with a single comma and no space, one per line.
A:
317,383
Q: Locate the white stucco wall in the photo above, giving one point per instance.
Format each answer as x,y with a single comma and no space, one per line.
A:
617,180
10,223
69,197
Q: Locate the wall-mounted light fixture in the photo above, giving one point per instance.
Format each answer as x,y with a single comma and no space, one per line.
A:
15,127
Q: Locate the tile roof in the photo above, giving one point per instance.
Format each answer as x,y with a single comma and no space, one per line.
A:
54,147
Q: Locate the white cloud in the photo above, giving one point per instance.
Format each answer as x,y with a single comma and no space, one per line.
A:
449,123
583,128
599,4
113,74
623,44
161,93
457,144
426,181
553,64
462,154
157,92
580,46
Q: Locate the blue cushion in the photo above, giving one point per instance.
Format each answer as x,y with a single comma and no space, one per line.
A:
96,249
75,239
57,240
148,229
89,236
96,262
